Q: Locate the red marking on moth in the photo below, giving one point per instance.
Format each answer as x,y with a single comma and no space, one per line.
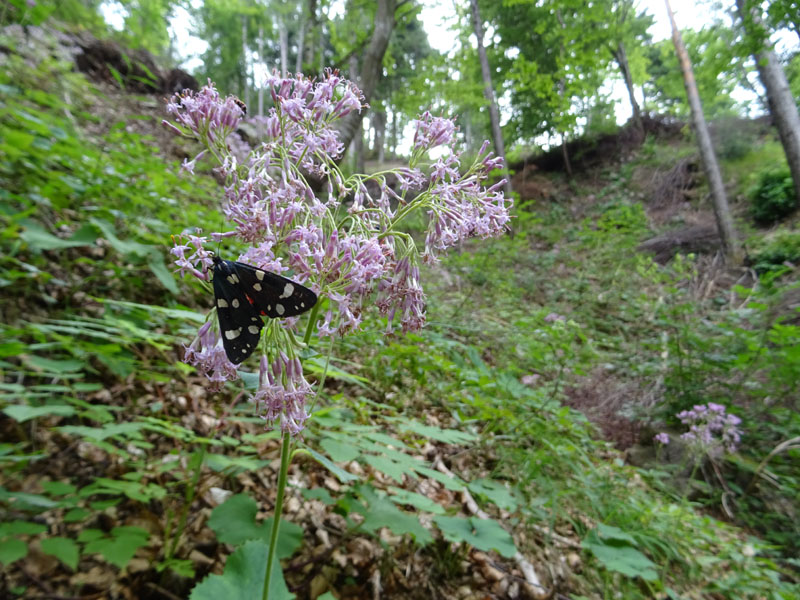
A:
249,299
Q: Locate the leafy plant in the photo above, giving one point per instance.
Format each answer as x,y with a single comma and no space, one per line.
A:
772,198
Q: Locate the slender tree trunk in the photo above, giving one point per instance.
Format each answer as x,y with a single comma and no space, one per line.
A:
722,212
301,40
357,144
371,65
379,118
261,60
283,37
488,90
782,106
622,60
565,155
393,138
312,26
246,86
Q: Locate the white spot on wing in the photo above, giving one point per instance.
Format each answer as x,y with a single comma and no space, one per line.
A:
260,275
257,287
222,303
232,334
235,303
232,279
253,329
279,309
288,289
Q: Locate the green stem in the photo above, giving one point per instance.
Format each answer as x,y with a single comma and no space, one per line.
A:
311,321
187,502
276,519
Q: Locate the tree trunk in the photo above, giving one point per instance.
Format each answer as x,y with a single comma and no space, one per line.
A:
565,155
622,60
371,65
301,40
357,144
245,86
720,202
393,135
313,27
379,118
283,38
782,106
488,90
261,60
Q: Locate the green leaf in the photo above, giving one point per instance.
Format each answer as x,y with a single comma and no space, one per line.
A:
21,528
340,473
120,547
447,436
616,555
454,484
495,492
22,413
64,549
50,365
383,513
244,577
12,549
386,466
401,496
234,522
159,269
339,451
483,534
39,239
58,488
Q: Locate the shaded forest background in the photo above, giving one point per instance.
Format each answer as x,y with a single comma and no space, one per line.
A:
515,447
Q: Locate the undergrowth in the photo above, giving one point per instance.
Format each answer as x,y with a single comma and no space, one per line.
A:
109,449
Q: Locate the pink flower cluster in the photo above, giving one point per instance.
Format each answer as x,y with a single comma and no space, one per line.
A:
711,430
345,243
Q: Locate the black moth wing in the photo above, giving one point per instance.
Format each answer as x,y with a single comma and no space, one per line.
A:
243,293
239,321
271,294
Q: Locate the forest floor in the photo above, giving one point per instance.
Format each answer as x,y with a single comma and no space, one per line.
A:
504,452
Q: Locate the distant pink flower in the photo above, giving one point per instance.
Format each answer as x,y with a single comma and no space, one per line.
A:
661,438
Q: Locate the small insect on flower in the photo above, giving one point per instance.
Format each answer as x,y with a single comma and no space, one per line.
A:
243,294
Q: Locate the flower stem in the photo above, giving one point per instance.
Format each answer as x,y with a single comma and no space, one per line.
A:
276,518
191,489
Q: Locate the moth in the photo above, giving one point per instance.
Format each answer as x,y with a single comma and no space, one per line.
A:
243,295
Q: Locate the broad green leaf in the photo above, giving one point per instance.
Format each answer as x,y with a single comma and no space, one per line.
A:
244,577
318,493
340,473
495,492
21,528
22,413
234,522
119,547
64,549
12,549
131,429
339,451
454,484
447,436
483,534
50,365
58,488
386,466
401,496
616,555
383,513
159,269
38,238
